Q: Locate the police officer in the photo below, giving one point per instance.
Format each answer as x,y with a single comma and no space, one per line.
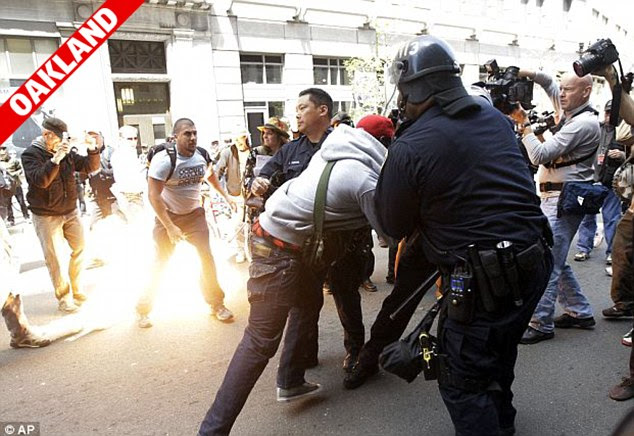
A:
456,165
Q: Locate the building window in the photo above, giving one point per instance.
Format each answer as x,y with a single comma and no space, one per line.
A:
276,109
341,106
261,68
134,98
330,71
137,57
567,4
20,57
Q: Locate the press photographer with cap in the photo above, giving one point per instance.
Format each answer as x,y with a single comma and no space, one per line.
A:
451,184
49,165
567,156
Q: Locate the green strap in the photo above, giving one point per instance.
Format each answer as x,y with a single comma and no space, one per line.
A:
320,199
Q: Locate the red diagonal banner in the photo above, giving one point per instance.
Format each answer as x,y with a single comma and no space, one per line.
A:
64,62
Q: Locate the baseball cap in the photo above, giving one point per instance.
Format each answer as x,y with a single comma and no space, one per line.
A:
56,126
377,126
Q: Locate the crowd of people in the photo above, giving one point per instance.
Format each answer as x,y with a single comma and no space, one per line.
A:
465,207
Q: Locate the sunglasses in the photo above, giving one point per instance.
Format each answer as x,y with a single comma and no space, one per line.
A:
132,139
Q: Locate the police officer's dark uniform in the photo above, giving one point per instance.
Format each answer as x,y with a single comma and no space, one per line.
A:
458,167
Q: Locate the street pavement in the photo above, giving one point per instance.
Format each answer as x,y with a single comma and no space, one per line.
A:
161,381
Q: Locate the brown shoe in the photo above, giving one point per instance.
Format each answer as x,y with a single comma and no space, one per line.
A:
624,390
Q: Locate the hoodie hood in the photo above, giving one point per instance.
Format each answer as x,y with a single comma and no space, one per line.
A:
349,143
350,196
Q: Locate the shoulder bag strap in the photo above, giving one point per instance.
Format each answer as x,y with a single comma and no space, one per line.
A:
320,199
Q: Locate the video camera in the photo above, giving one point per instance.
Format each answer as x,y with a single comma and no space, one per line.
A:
542,122
600,54
507,89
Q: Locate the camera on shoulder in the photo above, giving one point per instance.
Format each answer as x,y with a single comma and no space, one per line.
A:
507,89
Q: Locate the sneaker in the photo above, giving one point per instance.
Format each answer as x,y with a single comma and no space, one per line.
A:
144,321
240,258
66,305
359,375
598,238
369,286
627,339
533,336
79,298
301,391
608,270
29,341
616,312
582,256
566,321
222,314
608,260
624,390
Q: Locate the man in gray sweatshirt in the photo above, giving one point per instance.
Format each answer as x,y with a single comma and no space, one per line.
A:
279,280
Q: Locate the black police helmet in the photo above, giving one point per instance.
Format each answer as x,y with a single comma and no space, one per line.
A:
423,67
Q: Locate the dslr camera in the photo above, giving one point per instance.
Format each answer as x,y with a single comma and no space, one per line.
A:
542,122
507,89
600,54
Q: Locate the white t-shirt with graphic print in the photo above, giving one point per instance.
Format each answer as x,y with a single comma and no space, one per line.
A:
182,191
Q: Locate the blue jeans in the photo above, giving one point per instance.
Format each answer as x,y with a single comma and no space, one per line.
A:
51,230
562,285
611,213
277,283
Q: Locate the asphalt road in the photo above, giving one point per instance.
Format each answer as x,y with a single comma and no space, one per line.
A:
161,381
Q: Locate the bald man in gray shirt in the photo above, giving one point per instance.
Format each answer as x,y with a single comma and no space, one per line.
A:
566,156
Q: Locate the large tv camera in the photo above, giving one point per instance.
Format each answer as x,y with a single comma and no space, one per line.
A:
507,89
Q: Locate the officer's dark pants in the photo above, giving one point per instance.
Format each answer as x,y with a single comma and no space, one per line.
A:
413,270
277,284
391,259
484,352
346,275
622,288
368,244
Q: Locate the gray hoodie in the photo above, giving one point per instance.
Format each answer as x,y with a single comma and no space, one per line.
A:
350,196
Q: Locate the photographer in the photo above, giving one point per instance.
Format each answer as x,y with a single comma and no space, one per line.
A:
566,156
49,165
622,291
231,166
610,155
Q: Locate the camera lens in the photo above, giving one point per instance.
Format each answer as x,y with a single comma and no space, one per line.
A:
578,67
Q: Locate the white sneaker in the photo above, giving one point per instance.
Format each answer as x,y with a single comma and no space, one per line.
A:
66,305
608,270
240,258
144,321
598,238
